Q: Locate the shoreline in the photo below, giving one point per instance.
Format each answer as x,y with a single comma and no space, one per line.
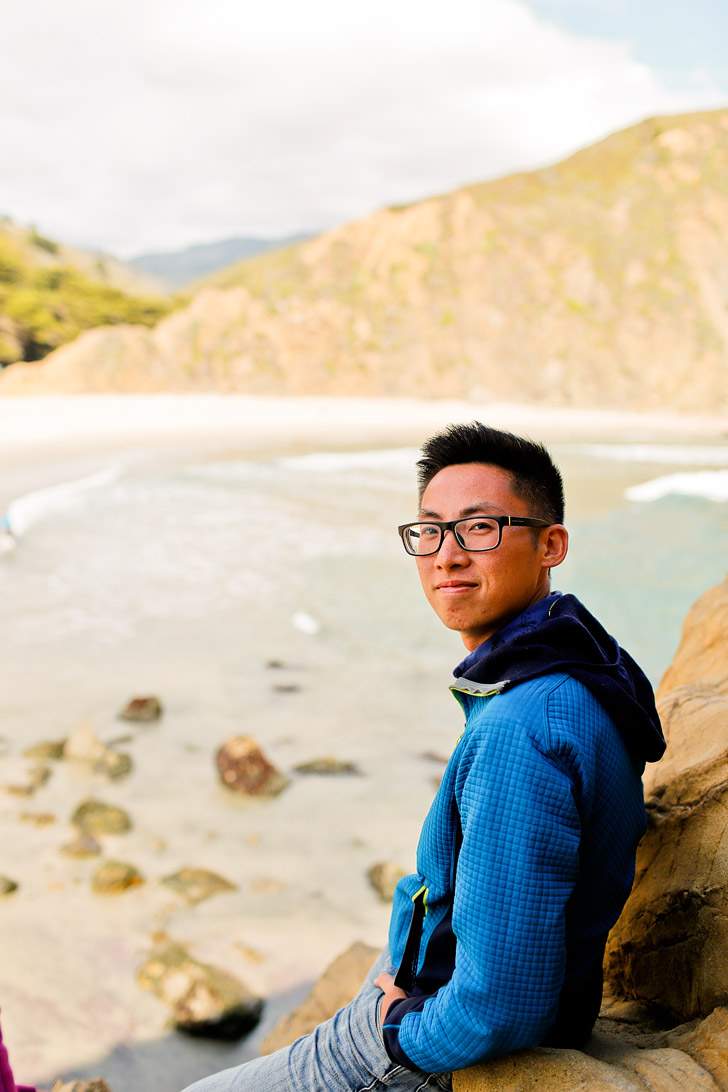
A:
101,420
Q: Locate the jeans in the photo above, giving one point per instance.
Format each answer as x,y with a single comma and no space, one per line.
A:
344,1054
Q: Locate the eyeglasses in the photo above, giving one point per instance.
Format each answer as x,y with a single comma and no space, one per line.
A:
476,533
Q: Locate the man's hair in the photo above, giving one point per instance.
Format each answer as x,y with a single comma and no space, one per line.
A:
535,476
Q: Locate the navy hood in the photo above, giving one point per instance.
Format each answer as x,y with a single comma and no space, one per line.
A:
558,634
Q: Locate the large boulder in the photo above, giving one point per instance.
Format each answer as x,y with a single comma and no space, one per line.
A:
669,945
701,658
334,989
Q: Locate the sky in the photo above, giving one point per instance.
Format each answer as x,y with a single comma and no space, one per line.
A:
142,125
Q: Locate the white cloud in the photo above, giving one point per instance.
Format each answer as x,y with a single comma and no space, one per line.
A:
155,123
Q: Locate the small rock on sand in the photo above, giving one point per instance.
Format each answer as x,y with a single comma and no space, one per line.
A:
142,709
196,884
244,768
326,765
48,750
83,846
7,886
205,1000
113,877
384,877
95,817
96,1085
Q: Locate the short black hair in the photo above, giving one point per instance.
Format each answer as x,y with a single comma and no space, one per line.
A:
536,477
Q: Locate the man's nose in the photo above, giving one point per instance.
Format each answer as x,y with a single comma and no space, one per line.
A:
451,552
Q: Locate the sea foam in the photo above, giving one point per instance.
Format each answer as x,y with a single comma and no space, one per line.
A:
710,484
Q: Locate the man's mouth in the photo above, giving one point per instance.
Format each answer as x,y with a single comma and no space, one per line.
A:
452,587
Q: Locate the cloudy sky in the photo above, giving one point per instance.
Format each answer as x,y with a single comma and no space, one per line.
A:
136,125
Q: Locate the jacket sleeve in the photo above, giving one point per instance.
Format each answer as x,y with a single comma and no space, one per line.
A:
517,867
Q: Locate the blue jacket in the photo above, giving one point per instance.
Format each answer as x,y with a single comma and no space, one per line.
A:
527,854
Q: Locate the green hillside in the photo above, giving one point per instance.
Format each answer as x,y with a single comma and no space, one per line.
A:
46,299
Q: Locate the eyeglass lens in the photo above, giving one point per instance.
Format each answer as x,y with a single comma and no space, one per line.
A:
474,534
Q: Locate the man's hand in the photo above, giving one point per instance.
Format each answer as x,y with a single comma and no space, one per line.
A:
390,991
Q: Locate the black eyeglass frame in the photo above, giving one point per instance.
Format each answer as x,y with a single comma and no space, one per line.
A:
451,525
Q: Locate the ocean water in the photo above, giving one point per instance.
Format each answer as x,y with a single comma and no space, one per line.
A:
268,597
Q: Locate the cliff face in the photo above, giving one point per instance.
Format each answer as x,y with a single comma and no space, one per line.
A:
600,281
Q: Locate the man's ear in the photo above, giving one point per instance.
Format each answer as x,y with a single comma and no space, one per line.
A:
554,544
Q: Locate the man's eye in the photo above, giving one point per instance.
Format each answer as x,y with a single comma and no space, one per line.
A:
481,527
428,532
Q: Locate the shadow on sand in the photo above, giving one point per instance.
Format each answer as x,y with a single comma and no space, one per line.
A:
171,1063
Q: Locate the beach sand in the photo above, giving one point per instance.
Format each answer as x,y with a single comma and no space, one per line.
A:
67,988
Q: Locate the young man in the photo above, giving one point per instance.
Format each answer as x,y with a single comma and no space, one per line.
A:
527,854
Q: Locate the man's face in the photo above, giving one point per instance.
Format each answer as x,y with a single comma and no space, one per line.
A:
477,593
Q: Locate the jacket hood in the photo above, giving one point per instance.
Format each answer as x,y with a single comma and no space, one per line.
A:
558,634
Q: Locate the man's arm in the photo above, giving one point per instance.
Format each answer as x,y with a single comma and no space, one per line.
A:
517,867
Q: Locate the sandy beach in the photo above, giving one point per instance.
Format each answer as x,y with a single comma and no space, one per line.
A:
36,428
163,578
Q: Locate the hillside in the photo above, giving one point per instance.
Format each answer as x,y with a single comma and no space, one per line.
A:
600,281
50,292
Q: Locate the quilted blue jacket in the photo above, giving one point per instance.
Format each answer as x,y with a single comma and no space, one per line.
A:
525,861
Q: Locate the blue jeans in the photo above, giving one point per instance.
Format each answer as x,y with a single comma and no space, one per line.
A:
345,1054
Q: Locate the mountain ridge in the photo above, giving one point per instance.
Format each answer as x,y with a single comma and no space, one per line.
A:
601,280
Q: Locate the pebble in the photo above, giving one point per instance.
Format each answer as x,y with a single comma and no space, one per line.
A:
48,750
326,765
196,884
384,877
243,767
142,709
95,817
40,818
113,877
83,846
7,886
205,1000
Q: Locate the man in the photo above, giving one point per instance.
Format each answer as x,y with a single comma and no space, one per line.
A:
527,854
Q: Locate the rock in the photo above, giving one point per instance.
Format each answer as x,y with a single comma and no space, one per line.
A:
37,777
95,817
96,1085
669,944
336,987
326,765
113,764
83,745
49,750
619,1056
7,886
205,1000
196,884
701,658
244,767
142,709
82,846
689,1058
113,877
286,688
39,818
384,877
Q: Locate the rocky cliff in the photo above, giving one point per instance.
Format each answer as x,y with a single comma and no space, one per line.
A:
600,281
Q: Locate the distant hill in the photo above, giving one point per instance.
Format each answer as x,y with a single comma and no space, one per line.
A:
50,292
601,281
180,268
